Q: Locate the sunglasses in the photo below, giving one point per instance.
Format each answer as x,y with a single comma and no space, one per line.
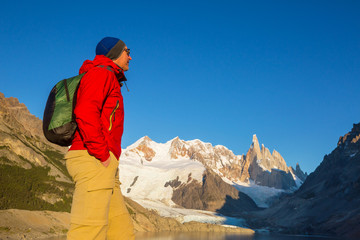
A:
127,51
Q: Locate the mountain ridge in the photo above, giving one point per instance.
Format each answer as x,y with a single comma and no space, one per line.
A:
222,159
328,202
181,172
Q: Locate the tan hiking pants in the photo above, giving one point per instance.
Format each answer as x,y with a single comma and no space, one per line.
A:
98,210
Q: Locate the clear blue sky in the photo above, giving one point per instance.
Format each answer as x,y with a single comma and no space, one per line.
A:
218,71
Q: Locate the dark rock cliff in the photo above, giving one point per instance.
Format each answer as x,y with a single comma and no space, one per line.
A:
329,200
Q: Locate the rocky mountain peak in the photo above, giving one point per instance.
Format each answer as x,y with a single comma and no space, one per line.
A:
263,156
255,144
178,149
30,125
144,149
279,161
300,173
176,141
267,169
15,115
146,140
350,142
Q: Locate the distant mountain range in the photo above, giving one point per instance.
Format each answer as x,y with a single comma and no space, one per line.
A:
197,175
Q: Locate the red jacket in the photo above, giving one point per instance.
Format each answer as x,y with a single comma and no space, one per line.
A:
99,109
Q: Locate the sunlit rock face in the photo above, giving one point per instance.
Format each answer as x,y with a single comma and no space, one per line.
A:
268,169
22,142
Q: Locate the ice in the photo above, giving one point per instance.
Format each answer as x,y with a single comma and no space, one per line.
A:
260,194
187,215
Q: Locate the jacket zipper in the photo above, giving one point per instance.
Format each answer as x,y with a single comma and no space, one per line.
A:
113,114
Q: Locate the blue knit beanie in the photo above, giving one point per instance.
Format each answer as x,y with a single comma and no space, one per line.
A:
110,47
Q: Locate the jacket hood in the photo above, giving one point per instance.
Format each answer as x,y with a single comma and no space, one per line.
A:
105,61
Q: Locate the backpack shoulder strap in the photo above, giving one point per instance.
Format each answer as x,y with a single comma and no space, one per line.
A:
106,67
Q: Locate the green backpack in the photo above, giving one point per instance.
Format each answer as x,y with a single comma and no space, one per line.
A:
59,123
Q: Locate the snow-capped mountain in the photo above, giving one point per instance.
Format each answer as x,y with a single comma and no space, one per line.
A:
197,175
147,169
